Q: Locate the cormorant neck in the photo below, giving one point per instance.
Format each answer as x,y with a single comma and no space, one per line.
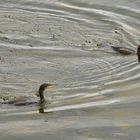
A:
41,94
138,53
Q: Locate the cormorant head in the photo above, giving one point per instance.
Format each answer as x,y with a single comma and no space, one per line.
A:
44,86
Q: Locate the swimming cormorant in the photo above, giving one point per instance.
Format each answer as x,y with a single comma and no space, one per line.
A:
23,100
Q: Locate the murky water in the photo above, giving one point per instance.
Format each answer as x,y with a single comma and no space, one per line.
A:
60,41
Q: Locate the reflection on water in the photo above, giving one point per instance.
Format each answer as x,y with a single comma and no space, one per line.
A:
59,41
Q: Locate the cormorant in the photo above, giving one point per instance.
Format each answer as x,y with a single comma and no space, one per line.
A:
23,100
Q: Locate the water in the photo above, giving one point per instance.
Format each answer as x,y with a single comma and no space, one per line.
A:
66,42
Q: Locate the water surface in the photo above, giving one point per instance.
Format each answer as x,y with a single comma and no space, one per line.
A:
67,43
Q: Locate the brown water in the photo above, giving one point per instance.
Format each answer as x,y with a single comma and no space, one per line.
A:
60,41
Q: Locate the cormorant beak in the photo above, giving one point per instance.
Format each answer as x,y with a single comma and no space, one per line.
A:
50,85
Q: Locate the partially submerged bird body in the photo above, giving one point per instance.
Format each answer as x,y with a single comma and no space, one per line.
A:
119,49
23,100
123,50
18,101
127,51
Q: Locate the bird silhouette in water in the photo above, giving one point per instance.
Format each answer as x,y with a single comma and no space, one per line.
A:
22,100
127,51
123,50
